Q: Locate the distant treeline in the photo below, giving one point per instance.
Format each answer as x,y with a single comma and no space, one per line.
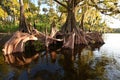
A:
116,30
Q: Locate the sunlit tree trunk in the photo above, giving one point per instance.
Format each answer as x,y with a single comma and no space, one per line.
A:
22,24
82,21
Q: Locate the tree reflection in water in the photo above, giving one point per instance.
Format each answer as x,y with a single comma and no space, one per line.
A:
85,67
60,66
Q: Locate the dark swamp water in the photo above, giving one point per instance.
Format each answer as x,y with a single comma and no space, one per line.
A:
99,64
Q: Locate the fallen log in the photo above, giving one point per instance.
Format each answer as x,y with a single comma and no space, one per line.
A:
15,45
14,48
16,42
46,40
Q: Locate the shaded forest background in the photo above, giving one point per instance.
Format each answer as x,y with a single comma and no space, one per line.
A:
10,13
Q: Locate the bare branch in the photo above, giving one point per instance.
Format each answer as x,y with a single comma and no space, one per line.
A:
60,3
77,2
106,11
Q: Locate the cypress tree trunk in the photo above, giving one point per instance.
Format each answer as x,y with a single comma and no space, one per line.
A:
22,24
70,26
70,23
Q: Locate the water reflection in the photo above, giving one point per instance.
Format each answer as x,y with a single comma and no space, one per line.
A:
86,68
94,64
112,50
63,68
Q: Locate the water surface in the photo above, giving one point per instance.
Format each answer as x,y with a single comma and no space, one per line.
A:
100,64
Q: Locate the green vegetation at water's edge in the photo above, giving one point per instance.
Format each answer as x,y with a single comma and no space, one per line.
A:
41,26
12,28
116,30
8,28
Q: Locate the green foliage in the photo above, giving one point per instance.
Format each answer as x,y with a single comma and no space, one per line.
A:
92,19
62,9
42,26
8,28
2,13
39,46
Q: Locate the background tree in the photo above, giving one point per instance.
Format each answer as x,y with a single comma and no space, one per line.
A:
32,11
22,25
107,7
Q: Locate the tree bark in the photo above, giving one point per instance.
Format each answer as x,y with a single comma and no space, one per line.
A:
70,23
71,27
22,24
82,22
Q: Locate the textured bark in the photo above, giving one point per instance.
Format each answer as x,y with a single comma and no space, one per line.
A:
94,37
82,22
70,23
16,42
71,27
14,48
70,41
23,23
53,29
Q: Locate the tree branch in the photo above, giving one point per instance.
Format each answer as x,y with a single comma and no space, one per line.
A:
77,2
106,11
60,3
